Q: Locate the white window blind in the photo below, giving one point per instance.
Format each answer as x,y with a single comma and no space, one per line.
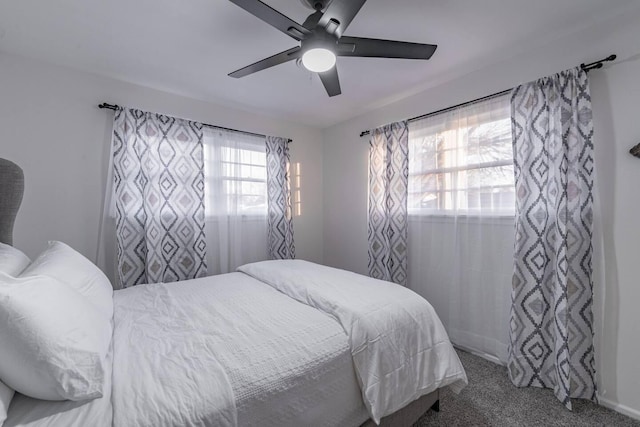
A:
461,162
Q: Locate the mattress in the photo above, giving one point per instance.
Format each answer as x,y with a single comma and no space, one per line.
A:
287,364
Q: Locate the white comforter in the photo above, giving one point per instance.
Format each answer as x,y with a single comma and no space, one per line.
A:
399,346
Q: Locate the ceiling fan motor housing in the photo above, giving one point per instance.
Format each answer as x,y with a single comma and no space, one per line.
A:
320,39
316,4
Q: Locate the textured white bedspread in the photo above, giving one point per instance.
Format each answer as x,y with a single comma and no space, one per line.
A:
194,352
400,348
166,368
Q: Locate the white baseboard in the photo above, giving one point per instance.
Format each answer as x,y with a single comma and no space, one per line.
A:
485,356
618,407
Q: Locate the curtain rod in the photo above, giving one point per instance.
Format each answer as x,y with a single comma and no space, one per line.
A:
586,67
115,107
444,110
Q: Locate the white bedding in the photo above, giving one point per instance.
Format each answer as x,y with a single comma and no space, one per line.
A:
286,364
166,369
27,412
231,349
400,348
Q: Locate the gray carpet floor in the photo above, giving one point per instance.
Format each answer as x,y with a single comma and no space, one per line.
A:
491,400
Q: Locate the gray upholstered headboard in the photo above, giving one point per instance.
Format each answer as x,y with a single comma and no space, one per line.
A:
11,191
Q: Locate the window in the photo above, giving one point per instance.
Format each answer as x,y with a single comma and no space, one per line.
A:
235,174
461,162
245,178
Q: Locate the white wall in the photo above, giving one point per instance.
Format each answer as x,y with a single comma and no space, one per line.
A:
616,95
51,126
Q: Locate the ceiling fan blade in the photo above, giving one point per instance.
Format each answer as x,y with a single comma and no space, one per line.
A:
376,48
269,62
330,81
273,18
339,15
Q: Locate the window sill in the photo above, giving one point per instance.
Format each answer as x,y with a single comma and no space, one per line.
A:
505,220
247,218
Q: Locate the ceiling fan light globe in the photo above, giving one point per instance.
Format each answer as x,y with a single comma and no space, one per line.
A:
319,60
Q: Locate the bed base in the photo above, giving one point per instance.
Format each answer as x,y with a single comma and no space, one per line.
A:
408,415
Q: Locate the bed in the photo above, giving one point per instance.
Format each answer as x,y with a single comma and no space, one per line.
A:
284,343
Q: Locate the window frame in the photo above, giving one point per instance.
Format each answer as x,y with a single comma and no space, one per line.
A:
426,213
237,145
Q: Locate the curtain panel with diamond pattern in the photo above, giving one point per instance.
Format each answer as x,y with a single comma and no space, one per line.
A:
551,333
280,220
159,198
387,210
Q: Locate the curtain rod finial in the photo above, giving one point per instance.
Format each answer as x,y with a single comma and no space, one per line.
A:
598,64
104,105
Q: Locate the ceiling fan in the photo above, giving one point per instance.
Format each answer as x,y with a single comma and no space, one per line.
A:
321,40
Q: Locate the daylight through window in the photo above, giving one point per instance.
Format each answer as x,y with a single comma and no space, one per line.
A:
235,174
461,162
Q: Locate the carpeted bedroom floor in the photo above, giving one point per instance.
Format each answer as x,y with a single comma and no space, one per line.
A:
491,400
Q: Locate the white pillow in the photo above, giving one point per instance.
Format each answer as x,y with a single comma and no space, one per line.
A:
6,394
54,341
12,260
70,267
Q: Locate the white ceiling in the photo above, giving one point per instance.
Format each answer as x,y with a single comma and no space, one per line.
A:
189,47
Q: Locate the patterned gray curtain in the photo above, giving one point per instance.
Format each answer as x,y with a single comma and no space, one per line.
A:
280,224
387,216
551,334
159,190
